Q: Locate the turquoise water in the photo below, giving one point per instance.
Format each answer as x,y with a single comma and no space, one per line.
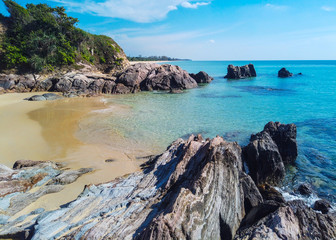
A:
237,108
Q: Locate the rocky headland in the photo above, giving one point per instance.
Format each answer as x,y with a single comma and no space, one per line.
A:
134,78
197,189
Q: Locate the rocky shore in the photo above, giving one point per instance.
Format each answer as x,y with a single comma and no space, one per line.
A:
134,78
197,189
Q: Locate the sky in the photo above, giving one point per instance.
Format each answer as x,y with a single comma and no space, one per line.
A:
211,29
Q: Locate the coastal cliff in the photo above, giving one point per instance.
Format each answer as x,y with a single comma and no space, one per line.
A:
197,189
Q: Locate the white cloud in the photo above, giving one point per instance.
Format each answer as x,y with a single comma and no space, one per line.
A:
212,41
327,8
134,10
276,7
194,5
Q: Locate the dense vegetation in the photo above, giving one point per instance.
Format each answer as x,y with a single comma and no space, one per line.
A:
155,58
41,38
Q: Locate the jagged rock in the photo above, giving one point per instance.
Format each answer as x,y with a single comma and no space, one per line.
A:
252,196
293,221
269,150
284,73
284,135
201,77
322,205
263,159
191,191
108,87
235,72
305,189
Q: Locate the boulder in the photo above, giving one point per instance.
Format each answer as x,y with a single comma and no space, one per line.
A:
284,73
167,77
284,135
236,72
252,196
201,77
305,189
263,159
36,98
322,205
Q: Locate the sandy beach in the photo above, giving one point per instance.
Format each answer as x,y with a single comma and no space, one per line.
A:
46,131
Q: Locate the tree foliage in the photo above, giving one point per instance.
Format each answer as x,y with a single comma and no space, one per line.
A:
41,37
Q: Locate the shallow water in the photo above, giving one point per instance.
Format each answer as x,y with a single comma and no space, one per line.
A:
237,108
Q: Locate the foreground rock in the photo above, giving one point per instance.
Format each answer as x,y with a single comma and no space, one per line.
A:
284,73
23,185
135,78
269,151
44,97
235,72
196,189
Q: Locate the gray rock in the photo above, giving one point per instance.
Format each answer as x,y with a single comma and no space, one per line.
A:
322,205
235,72
305,189
36,98
51,96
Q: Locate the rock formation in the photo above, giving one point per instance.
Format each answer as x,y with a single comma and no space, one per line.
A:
196,189
269,151
235,72
284,73
135,78
23,185
201,77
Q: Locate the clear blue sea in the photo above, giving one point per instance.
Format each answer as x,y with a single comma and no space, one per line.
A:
237,108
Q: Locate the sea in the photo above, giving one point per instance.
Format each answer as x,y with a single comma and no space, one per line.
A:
235,109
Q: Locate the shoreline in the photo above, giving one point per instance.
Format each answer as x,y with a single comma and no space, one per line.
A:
135,62
48,131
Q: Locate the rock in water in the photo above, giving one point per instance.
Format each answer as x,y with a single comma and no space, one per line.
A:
191,191
201,77
235,72
284,73
284,135
305,189
269,150
322,205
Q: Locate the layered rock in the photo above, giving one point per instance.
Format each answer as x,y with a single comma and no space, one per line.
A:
284,73
135,78
269,151
24,184
236,72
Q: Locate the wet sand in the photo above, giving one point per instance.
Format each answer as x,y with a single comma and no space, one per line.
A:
48,130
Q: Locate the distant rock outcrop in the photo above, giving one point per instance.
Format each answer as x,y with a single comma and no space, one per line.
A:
284,73
135,78
235,72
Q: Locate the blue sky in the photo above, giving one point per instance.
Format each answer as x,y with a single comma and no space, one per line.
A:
212,30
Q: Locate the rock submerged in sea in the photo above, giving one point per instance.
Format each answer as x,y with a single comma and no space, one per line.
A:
305,189
236,72
284,73
44,97
201,77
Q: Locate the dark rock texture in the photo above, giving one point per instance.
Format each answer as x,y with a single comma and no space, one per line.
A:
284,73
201,77
305,189
269,150
44,97
322,205
134,78
235,72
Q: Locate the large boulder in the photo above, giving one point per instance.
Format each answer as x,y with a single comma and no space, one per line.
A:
236,72
284,73
263,159
284,135
201,77
269,151
167,77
